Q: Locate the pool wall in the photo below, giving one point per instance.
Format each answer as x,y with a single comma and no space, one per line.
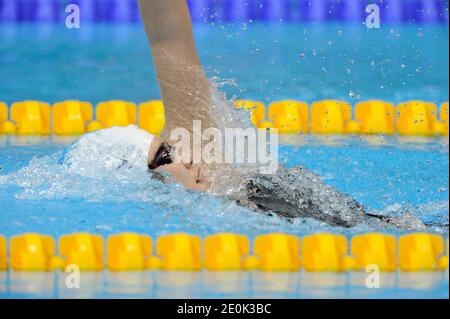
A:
395,11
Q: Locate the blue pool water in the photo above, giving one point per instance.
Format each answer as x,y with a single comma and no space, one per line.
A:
39,194
266,61
263,62
388,176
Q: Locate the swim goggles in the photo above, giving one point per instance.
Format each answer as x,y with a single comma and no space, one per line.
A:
162,157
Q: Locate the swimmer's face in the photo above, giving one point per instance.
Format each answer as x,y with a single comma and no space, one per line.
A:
187,174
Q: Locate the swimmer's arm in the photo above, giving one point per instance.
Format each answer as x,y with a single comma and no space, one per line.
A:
184,87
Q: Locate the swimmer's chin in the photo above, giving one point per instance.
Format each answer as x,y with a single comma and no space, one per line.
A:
201,184
203,187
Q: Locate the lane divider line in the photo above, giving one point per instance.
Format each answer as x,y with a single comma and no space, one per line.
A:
276,252
374,117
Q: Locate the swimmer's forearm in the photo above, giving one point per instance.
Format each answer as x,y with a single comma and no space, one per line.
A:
168,25
184,88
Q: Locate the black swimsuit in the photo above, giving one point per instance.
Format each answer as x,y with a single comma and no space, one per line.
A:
300,193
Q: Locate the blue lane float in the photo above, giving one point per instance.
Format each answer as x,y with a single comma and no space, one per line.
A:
392,11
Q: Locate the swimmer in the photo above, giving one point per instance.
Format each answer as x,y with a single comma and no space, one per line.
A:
187,96
169,29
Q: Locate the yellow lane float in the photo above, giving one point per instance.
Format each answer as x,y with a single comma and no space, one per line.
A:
179,252
151,117
325,252
332,117
32,252
277,252
415,118
375,117
82,250
94,126
31,117
129,251
71,117
374,249
420,252
3,263
115,113
3,112
6,126
418,118
289,116
225,252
